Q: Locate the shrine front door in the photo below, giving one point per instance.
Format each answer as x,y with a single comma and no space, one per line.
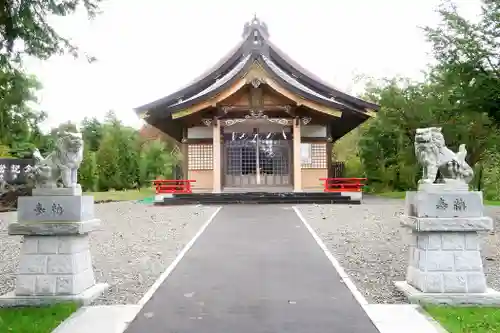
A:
257,159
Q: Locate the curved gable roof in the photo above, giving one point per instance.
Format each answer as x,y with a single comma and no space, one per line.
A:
257,46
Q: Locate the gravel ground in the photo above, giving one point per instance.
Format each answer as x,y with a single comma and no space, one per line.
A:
135,245
371,245
137,242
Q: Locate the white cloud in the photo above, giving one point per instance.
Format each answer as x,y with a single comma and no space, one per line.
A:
147,49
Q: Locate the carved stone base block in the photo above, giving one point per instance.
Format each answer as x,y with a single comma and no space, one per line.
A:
446,262
54,265
54,268
55,208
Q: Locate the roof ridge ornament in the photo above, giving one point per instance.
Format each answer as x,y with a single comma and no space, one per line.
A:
255,24
256,82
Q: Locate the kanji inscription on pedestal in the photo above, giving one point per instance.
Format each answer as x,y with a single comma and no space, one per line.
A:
55,208
446,204
459,205
441,204
39,209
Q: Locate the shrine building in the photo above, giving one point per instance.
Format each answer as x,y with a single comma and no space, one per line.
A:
257,120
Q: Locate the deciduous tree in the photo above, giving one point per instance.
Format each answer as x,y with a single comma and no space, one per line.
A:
468,61
25,29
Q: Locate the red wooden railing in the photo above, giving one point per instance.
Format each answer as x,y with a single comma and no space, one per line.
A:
342,184
173,186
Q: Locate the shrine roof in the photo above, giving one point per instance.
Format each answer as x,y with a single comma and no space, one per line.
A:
256,47
214,87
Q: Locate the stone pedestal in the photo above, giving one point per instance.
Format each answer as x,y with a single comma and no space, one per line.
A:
55,263
445,264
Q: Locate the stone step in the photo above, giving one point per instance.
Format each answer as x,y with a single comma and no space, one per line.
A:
258,198
168,202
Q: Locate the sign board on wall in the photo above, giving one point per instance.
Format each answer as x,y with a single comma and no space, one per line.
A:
200,132
313,131
305,153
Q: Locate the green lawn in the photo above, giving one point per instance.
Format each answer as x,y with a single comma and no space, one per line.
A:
466,319
34,320
401,195
393,195
127,195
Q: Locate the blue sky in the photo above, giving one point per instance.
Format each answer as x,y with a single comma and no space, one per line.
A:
149,48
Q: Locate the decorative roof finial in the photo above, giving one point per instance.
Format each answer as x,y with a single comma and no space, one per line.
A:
255,24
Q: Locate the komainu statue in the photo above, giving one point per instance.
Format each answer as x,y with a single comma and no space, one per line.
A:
440,164
61,165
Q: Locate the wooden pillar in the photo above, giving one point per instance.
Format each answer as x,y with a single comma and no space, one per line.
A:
329,151
329,157
217,158
184,153
297,170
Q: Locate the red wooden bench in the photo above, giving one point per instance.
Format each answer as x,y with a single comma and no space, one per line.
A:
342,184
173,185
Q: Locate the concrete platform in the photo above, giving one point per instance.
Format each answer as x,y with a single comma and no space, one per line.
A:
254,269
401,318
99,319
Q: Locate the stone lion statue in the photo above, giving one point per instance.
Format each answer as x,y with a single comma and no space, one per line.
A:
60,165
439,163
